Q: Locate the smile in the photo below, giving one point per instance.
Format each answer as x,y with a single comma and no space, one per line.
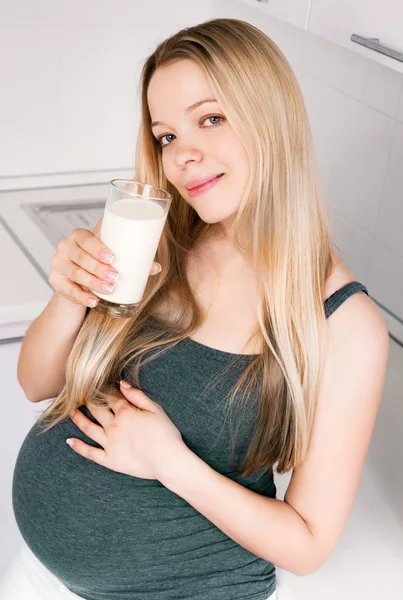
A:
196,191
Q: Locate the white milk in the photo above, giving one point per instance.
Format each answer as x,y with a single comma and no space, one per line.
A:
131,229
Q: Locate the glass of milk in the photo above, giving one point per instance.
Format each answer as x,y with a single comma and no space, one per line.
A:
132,224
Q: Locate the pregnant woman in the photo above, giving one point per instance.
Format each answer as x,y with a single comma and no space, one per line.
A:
254,350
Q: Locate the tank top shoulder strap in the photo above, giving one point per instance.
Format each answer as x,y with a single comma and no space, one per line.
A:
339,296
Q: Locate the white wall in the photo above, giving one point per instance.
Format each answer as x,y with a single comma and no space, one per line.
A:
69,73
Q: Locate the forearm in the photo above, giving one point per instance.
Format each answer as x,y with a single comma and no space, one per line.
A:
269,528
46,347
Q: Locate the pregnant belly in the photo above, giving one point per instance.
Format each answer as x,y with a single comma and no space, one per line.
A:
107,535
82,520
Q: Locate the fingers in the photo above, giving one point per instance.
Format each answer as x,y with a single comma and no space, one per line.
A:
92,430
102,414
81,266
155,269
91,244
97,229
97,455
121,405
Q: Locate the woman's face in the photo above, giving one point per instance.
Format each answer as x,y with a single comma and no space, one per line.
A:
197,142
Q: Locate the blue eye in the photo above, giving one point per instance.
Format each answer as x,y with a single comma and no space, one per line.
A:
201,121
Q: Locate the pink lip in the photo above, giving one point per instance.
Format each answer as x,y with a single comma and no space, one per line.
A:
199,181
200,189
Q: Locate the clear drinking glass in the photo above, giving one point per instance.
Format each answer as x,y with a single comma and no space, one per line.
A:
134,217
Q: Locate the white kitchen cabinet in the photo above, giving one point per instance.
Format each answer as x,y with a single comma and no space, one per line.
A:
24,292
337,20
18,416
295,12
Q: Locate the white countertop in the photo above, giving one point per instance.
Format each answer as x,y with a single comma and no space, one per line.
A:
26,250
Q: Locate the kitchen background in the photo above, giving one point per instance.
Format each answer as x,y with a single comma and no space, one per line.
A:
69,113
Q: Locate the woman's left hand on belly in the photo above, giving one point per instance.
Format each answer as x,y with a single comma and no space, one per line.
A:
138,439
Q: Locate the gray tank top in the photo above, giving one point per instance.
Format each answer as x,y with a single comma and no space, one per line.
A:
110,536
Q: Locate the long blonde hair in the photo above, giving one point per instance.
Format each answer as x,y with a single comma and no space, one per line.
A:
282,225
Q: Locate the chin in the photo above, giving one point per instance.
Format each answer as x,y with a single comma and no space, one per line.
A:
211,219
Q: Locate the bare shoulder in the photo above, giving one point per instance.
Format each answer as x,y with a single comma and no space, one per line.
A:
357,326
340,275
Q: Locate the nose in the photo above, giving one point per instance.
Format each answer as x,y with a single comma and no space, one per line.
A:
185,154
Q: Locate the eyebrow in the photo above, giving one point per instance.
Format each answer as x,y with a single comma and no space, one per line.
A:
187,110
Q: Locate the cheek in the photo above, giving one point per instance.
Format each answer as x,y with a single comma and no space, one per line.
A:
169,171
243,169
234,152
240,152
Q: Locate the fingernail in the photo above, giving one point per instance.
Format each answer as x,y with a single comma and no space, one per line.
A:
107,287
125,384
159,268
112,276
107,257
70,442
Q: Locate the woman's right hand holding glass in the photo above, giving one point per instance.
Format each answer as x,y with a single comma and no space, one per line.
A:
83,263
